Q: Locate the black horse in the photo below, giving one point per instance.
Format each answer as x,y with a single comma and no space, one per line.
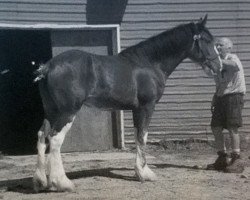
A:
134,80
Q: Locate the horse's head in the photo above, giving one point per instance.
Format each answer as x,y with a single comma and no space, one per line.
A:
203,50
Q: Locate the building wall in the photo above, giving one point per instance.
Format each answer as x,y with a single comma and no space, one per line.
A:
184,110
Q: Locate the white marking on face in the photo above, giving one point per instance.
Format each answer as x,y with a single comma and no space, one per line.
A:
216,50
145,137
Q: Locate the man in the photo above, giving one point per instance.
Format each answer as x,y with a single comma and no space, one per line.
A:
227,107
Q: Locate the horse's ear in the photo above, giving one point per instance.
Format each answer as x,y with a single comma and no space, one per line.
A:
203,21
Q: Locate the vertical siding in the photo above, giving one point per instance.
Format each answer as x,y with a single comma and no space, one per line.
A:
184,110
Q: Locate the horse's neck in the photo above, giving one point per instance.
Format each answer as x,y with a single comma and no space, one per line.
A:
169,64
168,57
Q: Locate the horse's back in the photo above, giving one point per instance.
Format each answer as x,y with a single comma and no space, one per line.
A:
108,82
76,77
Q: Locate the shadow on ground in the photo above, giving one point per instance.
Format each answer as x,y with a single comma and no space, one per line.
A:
24,185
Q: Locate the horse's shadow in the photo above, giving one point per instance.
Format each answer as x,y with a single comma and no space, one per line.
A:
24,185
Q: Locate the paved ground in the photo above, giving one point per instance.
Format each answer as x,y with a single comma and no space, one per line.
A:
110,175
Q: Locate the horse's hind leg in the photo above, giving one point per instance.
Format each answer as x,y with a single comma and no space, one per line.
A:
141,119
57,177
40,179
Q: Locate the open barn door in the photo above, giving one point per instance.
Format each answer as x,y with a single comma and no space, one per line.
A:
21,111
92,129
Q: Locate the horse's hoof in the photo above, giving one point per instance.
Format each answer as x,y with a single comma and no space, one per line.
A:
145,174
62,185
39,182
148,174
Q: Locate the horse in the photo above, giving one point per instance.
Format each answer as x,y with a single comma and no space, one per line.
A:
133,80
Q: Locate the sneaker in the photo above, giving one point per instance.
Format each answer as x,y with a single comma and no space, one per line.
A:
236,165
220,163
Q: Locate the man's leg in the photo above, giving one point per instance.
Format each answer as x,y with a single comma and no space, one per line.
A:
219,139
222,161
235,140
236,164
234,120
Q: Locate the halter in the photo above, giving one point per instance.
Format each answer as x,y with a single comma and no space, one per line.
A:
197,38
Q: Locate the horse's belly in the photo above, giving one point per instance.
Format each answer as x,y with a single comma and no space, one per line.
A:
106,103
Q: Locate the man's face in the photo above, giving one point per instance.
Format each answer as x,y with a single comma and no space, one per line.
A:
223,47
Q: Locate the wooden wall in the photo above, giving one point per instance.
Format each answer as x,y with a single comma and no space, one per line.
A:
184,110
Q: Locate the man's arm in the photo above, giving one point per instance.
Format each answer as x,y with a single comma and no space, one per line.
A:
208,72
229,65
213,102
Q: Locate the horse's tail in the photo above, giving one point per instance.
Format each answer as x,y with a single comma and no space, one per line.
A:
41,72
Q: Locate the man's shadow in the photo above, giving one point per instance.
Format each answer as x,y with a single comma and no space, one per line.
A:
163,165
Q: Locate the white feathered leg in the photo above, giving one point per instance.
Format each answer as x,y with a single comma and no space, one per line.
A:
57,177
143,172
40,179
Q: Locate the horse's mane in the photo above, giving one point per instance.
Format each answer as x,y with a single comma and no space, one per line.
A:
169,42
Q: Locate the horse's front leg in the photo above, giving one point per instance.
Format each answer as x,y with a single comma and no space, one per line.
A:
57,177
141,119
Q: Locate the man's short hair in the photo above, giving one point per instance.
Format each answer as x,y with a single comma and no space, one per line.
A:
225,40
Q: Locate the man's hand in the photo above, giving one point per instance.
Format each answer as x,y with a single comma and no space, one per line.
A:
213,103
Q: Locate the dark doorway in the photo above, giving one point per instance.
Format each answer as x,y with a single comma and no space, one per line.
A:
21,111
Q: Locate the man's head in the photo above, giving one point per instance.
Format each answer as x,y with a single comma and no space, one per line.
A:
224,46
